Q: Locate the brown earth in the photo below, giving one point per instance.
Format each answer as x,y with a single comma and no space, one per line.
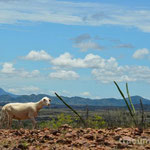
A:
67,138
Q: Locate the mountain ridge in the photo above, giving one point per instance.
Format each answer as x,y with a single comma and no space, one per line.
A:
3,92
6,97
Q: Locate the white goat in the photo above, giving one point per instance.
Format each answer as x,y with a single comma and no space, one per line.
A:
22,111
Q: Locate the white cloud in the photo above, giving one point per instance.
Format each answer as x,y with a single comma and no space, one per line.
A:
37,55
13,91
141,53
7,68
122,73
60,92
66,60
88,45
51,92
64,75
104,70
25,90
26,74
86,94
74,13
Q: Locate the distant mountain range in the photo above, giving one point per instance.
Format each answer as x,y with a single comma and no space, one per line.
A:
6,97
2,92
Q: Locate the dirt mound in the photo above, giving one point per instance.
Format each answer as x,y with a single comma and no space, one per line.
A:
67,138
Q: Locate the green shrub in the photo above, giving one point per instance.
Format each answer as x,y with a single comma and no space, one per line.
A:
57,122
96,122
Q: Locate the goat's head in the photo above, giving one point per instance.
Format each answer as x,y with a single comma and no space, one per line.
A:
46,101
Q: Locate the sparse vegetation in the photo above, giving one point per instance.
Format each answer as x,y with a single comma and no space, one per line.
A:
95,121
131,108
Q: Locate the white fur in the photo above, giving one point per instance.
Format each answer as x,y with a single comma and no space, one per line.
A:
22,111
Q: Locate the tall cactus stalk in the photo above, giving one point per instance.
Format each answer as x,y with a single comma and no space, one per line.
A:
131,106
142,115
82,120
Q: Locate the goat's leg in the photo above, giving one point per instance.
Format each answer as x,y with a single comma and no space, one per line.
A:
7,126
1,122
33,121
9,121
3,119
21,124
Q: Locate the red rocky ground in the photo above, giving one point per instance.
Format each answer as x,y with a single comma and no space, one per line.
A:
67,138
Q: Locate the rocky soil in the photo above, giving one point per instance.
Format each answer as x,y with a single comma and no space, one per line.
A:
67,138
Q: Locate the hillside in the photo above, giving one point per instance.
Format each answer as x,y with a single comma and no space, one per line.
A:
3,92
6,97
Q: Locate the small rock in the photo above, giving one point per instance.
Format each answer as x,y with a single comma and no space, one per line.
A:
6,146
122,145
118,129
64,141
89,136
117,137
48,137
32,148
22,147
65,126
68,135
99,140
55,132
147,146
100,131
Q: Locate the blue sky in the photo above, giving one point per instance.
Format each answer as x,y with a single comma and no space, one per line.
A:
75,48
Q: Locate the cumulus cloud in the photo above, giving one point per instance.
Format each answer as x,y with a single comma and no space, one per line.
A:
122,73
86,94
7,68
64,75
141,53
25,90
74,13
104,70
66,60
37,55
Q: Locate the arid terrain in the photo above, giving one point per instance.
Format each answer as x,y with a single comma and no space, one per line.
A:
67,138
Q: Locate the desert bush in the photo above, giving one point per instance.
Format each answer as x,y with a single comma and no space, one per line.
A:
96,122
57,122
